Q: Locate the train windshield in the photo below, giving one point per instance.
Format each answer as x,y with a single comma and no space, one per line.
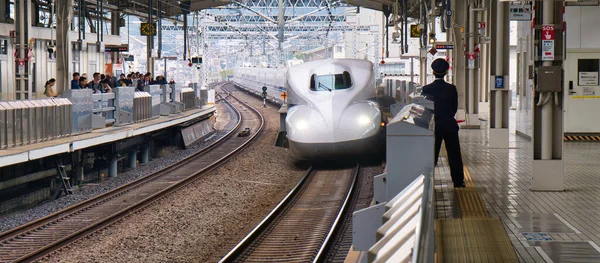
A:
330,82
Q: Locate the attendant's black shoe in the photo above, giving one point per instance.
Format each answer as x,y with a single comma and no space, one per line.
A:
459,185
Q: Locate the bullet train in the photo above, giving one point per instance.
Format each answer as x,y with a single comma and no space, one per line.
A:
332,110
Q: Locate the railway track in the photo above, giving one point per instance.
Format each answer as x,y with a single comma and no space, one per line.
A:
40,237
302,224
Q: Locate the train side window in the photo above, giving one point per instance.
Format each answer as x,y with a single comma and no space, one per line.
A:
312,83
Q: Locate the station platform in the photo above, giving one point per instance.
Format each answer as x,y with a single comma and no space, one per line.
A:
541,226
497,218
21,154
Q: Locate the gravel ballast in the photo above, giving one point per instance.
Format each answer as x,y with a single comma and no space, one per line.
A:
222,125
202,221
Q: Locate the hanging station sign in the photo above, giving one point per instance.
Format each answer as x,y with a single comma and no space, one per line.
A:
519,12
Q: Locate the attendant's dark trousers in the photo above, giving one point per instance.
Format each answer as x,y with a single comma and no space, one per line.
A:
450,136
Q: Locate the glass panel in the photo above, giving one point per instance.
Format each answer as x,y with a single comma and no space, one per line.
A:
331,82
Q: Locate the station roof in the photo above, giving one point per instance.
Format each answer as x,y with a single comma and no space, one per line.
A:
176,7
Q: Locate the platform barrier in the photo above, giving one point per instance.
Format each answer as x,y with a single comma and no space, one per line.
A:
30,121
124,103
103,110
142,106
188,98
398,226
79,111
407,233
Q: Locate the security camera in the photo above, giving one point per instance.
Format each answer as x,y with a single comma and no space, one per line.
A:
51,49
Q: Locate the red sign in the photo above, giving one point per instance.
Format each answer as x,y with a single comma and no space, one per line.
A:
482,25
21,62
12,34
548,32
471,56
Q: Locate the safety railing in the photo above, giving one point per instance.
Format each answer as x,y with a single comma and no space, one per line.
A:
30,121
79,111
407,233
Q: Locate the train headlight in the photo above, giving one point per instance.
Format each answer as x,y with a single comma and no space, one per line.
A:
364,120
302,125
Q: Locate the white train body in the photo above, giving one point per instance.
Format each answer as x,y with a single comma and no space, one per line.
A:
256,78
332,112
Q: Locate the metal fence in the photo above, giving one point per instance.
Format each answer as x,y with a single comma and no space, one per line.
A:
30,121
79,111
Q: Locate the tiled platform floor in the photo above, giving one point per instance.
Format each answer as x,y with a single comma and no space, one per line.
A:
543,226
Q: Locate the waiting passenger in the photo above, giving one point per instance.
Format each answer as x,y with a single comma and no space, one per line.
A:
106,88
83,83
49,89
122,83
75,81
95,84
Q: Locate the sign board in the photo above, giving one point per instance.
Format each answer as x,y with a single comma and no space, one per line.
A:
122,48
588,79
589,91
13,34
547,42
471,60
433,51
415,31
444,46
519,12
499,82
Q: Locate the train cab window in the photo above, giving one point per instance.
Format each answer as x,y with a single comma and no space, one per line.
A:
330,82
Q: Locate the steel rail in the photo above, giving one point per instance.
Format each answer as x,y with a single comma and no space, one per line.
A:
280,210
51,220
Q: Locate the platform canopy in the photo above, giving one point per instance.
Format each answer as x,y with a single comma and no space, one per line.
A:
176,7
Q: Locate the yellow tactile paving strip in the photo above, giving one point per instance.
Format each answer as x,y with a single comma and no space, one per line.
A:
475,237
473,240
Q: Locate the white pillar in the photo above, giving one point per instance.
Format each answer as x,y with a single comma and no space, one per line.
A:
547,97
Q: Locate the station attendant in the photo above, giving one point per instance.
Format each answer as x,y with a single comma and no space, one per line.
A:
445,98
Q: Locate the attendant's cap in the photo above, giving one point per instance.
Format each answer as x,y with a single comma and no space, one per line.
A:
440,66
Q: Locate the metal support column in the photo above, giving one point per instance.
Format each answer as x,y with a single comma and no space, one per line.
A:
460,62
64,14
149,43
499,90
112,165
548,166
472,119
22,28
423,66
133,158
4,10
280,35
484,64
115,30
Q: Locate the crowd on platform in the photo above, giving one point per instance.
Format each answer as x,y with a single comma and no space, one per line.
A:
105,83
